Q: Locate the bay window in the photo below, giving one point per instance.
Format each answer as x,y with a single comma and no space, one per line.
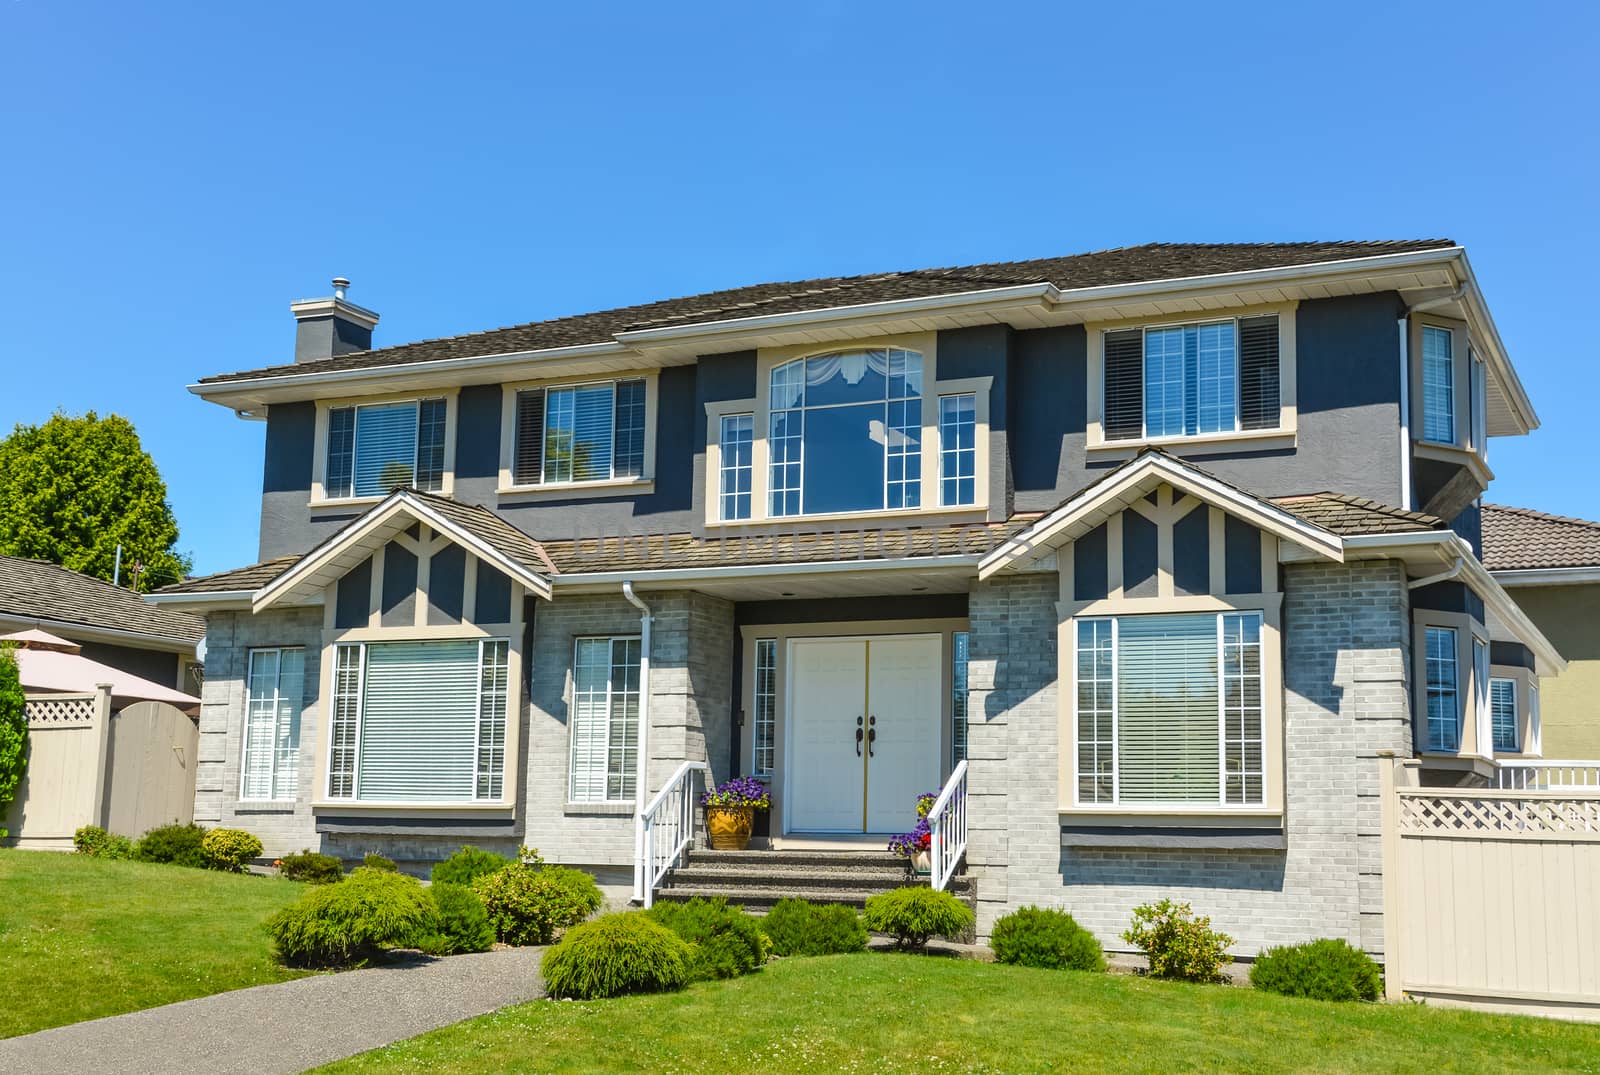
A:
579,433
1193,379
1169,709
421,721
1503,714
274,690
375,448
1443,697
605,720
845,433
1438,386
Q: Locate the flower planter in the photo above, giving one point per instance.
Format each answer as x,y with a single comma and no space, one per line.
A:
729,826
922,862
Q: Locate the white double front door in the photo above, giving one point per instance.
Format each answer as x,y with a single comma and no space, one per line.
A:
865,727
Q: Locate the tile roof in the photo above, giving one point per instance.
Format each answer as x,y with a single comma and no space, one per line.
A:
1123,265
1519,539
1348,515
38,589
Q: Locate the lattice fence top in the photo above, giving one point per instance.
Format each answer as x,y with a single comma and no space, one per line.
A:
67,711
1500,816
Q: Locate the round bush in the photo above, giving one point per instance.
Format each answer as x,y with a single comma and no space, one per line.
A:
1045,937
616,954
383,863
312,867
463,924
726,942
467,865
348,924
528,903
913,914
178,845
1322,970
229,849
802,928
1178,944
96,842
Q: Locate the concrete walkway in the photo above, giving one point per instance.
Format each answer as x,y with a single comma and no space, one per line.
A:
288,1027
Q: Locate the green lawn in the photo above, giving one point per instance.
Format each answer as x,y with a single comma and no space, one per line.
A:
882,1013
81,938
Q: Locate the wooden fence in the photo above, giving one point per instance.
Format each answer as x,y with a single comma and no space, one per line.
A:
1491,895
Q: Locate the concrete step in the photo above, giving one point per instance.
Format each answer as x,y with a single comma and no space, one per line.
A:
769,858
762,899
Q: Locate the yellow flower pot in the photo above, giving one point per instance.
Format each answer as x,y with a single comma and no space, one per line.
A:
729,826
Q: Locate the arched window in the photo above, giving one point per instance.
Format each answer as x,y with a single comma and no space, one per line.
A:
845,433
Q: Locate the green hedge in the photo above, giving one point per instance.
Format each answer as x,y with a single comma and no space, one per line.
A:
467,865
463,924
1322,970
96,842
726,942
802,928
177,845
527,904
350,923
1045,937
913,914
229,849
312,867
617,954
1178,944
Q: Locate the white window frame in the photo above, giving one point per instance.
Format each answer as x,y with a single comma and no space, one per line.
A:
319,462
1450,415
957,451
1288,412
360,645
1267,714
960,700
1516,715
572,744
244,746
509,489
1471,730
724,469
767,719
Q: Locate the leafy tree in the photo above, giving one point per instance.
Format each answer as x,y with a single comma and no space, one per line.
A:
74,488
13,731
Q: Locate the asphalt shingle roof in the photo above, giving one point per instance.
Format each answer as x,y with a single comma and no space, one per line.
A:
1348,515
1521,539
38,589
252,577
1124,265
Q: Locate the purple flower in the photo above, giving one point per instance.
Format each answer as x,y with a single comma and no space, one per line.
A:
740,791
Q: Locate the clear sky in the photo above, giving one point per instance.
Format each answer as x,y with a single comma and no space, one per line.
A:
174,175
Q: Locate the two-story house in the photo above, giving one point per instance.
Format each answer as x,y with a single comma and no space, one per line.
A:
1152,550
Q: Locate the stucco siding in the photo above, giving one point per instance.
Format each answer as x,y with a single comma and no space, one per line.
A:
1569,704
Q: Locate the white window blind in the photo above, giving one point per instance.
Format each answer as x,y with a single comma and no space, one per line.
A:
1503,707
1438,386
375,448
419,721
1443,705
274,690
386,448
578,433
605,719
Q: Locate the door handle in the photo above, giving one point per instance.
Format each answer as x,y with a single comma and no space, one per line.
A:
872,736
858,737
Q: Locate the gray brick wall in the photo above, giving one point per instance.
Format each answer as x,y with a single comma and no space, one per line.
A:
1346,631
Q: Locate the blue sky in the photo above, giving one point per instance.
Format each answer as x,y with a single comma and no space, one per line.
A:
175,175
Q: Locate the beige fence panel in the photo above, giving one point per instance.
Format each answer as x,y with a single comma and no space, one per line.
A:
150,767
61,788
1490,895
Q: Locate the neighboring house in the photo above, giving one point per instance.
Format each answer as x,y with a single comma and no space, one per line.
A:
110,624
1551,565
1152,546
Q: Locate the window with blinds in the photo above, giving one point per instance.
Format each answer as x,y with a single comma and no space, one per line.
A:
1444,705
1503,713
1187,380
605,719
421,721
579,433
374,449
766,700
1169,709
1438,386
960,650
274,689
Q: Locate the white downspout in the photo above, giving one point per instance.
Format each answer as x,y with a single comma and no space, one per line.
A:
1405,414
1443,576
641,778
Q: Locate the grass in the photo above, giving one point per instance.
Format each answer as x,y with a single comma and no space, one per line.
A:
81,938
890,1013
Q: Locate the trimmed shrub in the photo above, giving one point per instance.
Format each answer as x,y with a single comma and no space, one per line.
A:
1322,970
462,923
312,867
13,731
1045,937
915,913
96,842
179,845
348,924
382,863
1177,944
617,954
527,904
802,928
467,865
229,849
726,942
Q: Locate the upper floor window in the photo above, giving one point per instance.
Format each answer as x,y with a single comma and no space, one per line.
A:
375,448
1188,380
1444,705
958,449
736,466
845,433
1438,385
579,433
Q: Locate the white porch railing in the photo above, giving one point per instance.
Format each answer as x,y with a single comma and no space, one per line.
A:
1547,775
947,822
669,825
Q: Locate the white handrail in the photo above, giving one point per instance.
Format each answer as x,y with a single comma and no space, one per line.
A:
947,822
668,826
1547,774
